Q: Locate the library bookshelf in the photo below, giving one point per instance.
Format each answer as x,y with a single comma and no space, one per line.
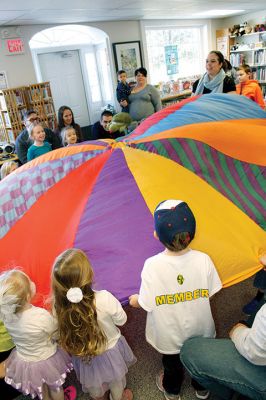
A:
15,102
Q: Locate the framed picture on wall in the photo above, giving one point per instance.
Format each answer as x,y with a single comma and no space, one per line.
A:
128,57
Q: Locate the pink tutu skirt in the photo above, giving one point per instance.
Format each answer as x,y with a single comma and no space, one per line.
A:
110,366
28,376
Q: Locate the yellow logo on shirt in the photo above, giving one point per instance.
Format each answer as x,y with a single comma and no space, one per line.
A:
181,297
180,279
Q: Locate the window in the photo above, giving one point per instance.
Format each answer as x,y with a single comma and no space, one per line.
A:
174,52
93,77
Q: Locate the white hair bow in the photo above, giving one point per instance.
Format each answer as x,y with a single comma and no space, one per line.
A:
74,295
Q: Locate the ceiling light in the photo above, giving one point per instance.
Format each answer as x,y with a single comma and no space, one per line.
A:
218,13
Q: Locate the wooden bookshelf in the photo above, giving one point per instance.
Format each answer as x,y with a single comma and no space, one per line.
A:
13,106
41,100
15,102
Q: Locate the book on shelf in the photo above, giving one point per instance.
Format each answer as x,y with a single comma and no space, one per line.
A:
47,91
2,102
23,113
11,136
260,74
18,97
7,120
48,108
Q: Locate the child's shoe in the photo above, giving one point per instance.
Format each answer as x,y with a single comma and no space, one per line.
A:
202,394
70,393
127,395
159,383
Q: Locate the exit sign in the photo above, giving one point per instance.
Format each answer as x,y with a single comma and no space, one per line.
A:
15,46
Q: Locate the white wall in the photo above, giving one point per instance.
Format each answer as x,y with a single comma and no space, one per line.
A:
19,68
258,17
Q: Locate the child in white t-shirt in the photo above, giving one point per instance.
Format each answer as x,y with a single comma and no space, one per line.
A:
176,286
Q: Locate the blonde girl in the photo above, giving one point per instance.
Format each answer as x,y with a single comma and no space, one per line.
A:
36,366
39,146
69,136
87,327
7,168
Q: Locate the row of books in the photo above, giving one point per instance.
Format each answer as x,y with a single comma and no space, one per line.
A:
237,59
40,93
260,74
11,99
260,57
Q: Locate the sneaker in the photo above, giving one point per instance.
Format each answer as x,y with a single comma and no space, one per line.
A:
159,383
70,393
202,394
251,307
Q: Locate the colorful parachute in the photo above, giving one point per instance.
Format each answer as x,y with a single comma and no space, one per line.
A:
100,196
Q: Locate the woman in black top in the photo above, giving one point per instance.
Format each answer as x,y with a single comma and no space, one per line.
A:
66,118
215,79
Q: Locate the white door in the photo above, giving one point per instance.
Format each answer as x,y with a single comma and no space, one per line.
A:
62,69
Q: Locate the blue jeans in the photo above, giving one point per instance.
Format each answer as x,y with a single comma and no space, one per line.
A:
218,366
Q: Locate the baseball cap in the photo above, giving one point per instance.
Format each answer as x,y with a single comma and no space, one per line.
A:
172,217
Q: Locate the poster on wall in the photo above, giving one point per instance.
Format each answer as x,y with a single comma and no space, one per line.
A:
3,80
222,45
128,57
171,59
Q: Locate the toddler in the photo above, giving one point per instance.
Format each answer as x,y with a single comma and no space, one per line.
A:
36,366
87,327
69,136
39,146
123,90
176,286
249,87
7,168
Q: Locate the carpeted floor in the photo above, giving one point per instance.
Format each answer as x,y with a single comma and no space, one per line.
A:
226,307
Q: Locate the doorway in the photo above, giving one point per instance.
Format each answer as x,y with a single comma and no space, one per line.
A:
63,70
76,60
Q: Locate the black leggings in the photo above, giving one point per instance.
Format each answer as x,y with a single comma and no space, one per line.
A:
174,374
7,392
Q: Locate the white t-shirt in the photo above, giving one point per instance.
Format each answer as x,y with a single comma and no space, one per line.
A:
31,332
251,342
175,291
109,314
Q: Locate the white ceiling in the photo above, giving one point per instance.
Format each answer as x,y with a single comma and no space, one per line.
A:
29,12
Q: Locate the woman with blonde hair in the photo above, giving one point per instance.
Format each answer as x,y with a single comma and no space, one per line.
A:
87,327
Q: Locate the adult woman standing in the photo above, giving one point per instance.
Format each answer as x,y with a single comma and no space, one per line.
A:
144,99
66,118
215,79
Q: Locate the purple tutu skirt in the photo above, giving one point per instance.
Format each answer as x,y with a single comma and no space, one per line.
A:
29,376
109,367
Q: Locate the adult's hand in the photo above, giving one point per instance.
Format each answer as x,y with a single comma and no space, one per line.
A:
238,325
